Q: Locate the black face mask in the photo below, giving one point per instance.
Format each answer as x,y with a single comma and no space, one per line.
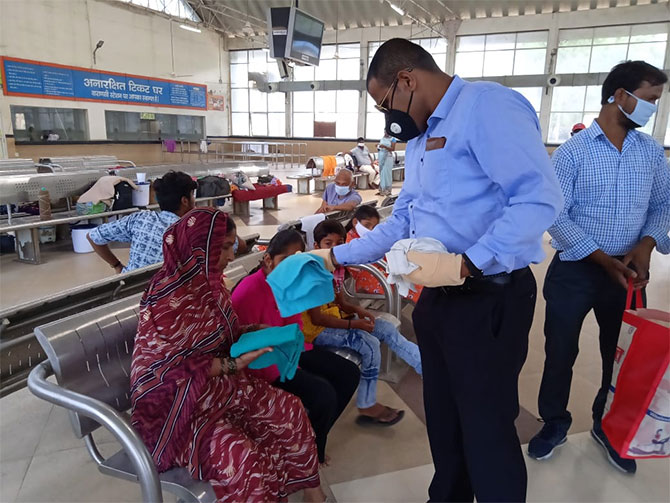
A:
400,124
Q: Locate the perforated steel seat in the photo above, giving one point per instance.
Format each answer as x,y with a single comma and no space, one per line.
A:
90,355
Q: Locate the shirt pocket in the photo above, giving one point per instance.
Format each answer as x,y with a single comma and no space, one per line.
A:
593,183
435,180
639,181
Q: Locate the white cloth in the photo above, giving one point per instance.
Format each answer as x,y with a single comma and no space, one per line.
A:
103,190
203,146
308,224
373,174
399,265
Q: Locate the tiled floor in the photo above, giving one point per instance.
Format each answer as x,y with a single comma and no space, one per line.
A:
41,460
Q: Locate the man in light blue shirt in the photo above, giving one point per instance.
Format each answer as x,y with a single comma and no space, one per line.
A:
616,184
478,179
341,194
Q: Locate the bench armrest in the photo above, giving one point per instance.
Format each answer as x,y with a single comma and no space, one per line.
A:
131,163
109,418
388,295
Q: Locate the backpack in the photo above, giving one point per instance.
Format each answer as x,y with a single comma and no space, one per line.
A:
210,186
265,179
123,196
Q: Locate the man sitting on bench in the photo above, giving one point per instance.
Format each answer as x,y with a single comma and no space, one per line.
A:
144,230
365,164
340,195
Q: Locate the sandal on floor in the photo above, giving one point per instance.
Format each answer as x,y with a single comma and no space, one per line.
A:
365,420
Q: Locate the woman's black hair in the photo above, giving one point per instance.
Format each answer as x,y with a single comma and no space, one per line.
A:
279,244
363,212
328,227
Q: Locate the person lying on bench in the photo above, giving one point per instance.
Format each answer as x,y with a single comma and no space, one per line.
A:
340,195
334,325
144,230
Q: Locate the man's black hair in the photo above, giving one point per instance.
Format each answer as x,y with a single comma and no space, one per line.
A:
629,75
328,227
396,55
171,188
361,139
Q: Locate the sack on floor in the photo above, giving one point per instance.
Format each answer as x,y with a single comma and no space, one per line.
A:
637,412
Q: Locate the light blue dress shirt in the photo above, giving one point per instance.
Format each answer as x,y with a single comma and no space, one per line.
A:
612,199
490,192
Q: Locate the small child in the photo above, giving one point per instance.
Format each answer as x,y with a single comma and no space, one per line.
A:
364,220
334,325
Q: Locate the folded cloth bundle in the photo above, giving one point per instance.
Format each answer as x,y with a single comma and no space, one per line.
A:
286,342
301,282
399,265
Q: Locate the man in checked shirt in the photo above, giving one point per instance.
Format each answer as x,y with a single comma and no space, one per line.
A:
616,184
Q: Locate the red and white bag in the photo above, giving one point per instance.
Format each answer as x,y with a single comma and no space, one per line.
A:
637,412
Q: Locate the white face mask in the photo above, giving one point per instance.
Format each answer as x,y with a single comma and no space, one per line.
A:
361,145
361,229
342,191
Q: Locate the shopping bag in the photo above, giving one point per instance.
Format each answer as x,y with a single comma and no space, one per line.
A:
637,412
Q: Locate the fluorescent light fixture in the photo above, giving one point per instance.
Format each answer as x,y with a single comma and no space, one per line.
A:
192,28
397,9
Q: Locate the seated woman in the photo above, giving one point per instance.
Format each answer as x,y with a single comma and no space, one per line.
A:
364,220
195,406
334,325
324,382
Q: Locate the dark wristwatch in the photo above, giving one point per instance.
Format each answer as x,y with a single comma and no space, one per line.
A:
475,272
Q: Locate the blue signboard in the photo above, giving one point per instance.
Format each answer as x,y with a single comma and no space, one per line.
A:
33,78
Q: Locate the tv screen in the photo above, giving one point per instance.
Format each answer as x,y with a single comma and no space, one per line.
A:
304,38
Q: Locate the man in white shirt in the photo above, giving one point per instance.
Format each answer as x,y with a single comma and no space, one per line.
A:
364,163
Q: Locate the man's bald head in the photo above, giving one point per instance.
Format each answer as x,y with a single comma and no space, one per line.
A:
344,177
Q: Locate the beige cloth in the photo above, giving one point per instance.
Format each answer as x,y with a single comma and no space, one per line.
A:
103,190
435,269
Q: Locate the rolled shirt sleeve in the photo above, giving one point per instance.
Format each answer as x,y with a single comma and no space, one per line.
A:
657,225
569,237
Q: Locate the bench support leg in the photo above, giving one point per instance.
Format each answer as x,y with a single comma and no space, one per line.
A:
28,246
241,208
271,203
303,185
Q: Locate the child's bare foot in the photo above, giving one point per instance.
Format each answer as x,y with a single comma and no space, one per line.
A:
326,461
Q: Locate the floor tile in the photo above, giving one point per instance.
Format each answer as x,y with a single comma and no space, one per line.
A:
576,473
22,419
11,478
361,451
58,435
71,476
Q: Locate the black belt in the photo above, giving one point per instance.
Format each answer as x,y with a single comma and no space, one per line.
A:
487,283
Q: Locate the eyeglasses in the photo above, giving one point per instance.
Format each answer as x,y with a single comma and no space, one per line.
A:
381,106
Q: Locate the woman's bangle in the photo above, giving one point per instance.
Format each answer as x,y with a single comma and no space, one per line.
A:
117,264
228,366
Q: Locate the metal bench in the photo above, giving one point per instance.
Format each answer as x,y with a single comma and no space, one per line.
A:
90,355
361,180
19,351
27,229
398,173
303,181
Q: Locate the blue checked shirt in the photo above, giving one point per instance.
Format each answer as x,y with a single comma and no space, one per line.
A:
490,191
143,230
612,199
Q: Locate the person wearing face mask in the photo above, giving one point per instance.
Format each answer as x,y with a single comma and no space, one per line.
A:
364,162
616,185
340,195
479,180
